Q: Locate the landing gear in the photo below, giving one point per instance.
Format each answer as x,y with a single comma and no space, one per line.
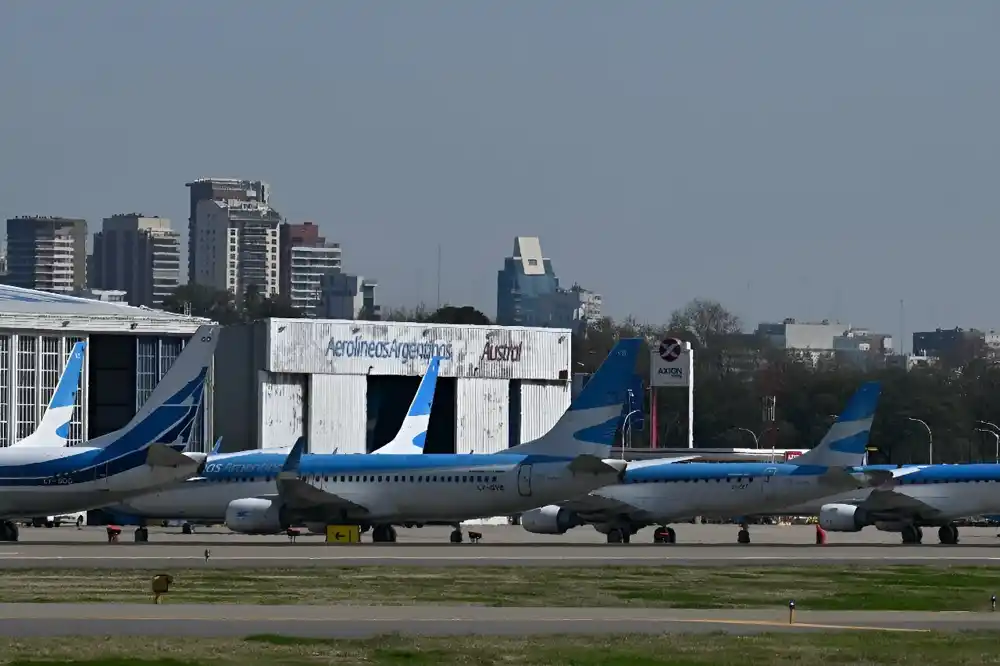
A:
948,535
913,534
187,528
617,535
8,531
384,534
664,534
456,535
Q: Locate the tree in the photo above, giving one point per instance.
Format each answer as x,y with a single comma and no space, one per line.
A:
707,320
465,315
221,306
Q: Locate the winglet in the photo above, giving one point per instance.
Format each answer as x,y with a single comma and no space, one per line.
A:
53,429
413,432
291,466
846,442
217,448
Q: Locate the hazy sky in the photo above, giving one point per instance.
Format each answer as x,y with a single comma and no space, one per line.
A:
796,159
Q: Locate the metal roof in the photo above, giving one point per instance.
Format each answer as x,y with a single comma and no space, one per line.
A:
41,310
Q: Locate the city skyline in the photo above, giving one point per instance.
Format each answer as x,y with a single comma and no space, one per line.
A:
825,161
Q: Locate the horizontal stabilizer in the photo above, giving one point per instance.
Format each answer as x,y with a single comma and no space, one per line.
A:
161,455
587,464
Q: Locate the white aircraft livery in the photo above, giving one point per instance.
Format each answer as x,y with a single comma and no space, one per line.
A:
142,456
53,429
258,492
662,491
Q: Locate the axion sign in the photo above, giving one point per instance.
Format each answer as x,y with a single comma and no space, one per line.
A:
670,364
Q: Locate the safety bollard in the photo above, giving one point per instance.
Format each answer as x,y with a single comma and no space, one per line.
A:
791,612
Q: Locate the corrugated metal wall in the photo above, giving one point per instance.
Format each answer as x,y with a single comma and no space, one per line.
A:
542,404
337,413
481,415
240,354
282,409
403,349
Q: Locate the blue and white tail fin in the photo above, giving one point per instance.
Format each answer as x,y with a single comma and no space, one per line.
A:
53,429
217,449
168,416
412,434
588,427
846,442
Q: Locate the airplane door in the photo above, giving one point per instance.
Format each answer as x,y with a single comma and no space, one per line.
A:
768,485
101,475
524,480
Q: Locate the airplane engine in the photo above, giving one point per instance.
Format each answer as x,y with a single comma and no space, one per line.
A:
841,518
549,519
316,528
255,516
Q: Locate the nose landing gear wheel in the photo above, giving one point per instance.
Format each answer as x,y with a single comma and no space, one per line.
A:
664,534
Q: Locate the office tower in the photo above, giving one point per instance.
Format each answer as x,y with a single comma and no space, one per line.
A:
47,253
139,255
305,258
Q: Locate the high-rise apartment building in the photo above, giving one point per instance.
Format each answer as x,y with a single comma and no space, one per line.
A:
348,297
47,253
218,189
236,246
305,258
139,255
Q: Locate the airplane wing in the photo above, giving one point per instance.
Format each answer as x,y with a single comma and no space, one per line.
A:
298,494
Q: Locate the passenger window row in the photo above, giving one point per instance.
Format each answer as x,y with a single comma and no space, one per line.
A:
732,479
369,478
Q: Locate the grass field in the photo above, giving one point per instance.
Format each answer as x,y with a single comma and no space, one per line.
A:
710,649
816,588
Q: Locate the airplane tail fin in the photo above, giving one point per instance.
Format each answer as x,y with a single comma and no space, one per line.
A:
168,416
412,434
588,427
290,468
53,429
847,440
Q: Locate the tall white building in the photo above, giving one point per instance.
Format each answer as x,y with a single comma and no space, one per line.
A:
236,245
305,271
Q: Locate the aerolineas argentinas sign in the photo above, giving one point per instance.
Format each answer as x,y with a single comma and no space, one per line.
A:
671,363
358,347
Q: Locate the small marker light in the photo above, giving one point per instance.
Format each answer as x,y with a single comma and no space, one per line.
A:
791,612
993,602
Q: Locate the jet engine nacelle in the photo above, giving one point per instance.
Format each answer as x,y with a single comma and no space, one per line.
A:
549,519
841,518
255,516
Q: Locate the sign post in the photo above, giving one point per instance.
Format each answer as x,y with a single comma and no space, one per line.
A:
672,365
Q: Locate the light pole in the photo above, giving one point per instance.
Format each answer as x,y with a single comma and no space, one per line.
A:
930,439
627,431
996,436
756,442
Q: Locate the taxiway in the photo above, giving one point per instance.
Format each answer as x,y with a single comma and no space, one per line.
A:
701,545
21,620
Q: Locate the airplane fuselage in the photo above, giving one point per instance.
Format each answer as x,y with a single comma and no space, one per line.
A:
392,488
38,481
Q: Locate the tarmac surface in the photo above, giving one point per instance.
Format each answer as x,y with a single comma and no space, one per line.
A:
24,620
699,545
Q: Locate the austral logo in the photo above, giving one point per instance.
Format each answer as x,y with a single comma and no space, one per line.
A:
502,352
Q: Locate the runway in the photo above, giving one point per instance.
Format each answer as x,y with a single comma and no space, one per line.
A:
23,620
87,548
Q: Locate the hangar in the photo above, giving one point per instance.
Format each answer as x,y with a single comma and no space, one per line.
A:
346,385
129,349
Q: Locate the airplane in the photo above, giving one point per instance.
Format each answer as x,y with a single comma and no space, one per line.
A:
168,504
258,492
53,429
921,496
142,456
661,491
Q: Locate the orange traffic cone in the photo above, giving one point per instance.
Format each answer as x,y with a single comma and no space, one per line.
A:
820,536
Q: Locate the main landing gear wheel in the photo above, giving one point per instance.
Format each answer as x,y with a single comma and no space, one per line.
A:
8,531
664,534
456,536
948,534
619,536
743,536
384,534
913,534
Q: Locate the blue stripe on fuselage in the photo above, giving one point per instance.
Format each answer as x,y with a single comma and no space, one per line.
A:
82,467
711,471
254,463
965,473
